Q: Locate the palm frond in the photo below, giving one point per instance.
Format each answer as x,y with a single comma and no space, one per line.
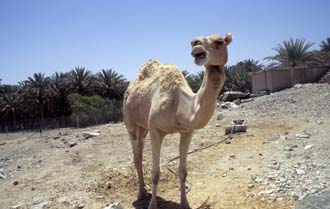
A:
292,52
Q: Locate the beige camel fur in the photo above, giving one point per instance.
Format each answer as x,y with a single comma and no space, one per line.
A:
161,101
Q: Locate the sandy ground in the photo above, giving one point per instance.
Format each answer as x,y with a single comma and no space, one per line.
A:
45,172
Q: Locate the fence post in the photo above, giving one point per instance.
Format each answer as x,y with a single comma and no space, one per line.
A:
22,127
266,88
77,119
40,130
95,118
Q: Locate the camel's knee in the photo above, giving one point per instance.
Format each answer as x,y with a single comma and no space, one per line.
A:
137,160
182,174
155,177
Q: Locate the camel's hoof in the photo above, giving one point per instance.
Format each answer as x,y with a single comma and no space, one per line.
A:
185,206
153,205
142,195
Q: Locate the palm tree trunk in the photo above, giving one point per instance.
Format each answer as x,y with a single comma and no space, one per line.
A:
14,119
62,112
62,125
42,119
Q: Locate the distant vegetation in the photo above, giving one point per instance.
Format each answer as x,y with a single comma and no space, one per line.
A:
237,76
63,99
94,109
295,52
325,45
57,101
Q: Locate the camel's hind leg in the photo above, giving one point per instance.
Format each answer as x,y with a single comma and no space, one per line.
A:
137,140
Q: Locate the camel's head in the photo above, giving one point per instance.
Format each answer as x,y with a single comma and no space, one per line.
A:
211,50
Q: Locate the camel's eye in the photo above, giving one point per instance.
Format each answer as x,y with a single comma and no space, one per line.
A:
218,42
196,42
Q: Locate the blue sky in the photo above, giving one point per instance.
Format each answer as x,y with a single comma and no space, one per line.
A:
48,36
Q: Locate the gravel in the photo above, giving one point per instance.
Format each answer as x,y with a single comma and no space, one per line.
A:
303,165
313,100
319,201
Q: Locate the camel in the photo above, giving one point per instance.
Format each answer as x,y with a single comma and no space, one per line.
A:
160,101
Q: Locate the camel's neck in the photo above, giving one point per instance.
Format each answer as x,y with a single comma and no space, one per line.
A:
206,97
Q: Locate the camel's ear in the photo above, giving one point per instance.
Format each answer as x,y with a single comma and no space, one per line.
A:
229,38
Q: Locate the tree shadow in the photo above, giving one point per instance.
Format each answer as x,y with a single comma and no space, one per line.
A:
165,204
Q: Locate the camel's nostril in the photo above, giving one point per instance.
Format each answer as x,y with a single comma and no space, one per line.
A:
196,42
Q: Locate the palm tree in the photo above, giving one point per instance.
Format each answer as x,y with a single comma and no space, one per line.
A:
294,52
185,73
325,45
230,80
59,89
238,76
80,79
111,84
195,80
250,65
10,104
37,88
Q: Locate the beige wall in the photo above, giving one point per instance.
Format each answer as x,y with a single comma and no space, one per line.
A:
315,73
280,78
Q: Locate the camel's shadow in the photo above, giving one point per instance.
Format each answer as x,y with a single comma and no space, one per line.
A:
165,204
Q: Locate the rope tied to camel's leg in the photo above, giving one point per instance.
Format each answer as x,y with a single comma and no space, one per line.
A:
189,184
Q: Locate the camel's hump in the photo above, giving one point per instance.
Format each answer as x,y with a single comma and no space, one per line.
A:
168,77
148,69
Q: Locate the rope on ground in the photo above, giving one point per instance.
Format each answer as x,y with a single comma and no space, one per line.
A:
189,184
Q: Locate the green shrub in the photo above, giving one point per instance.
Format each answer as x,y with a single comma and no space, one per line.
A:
92,110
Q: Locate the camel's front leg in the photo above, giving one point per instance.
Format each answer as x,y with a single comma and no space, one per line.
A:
184,146
156,142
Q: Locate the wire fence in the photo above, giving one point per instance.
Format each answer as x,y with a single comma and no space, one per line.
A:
37,124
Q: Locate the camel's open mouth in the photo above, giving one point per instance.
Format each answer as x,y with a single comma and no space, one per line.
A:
200,55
